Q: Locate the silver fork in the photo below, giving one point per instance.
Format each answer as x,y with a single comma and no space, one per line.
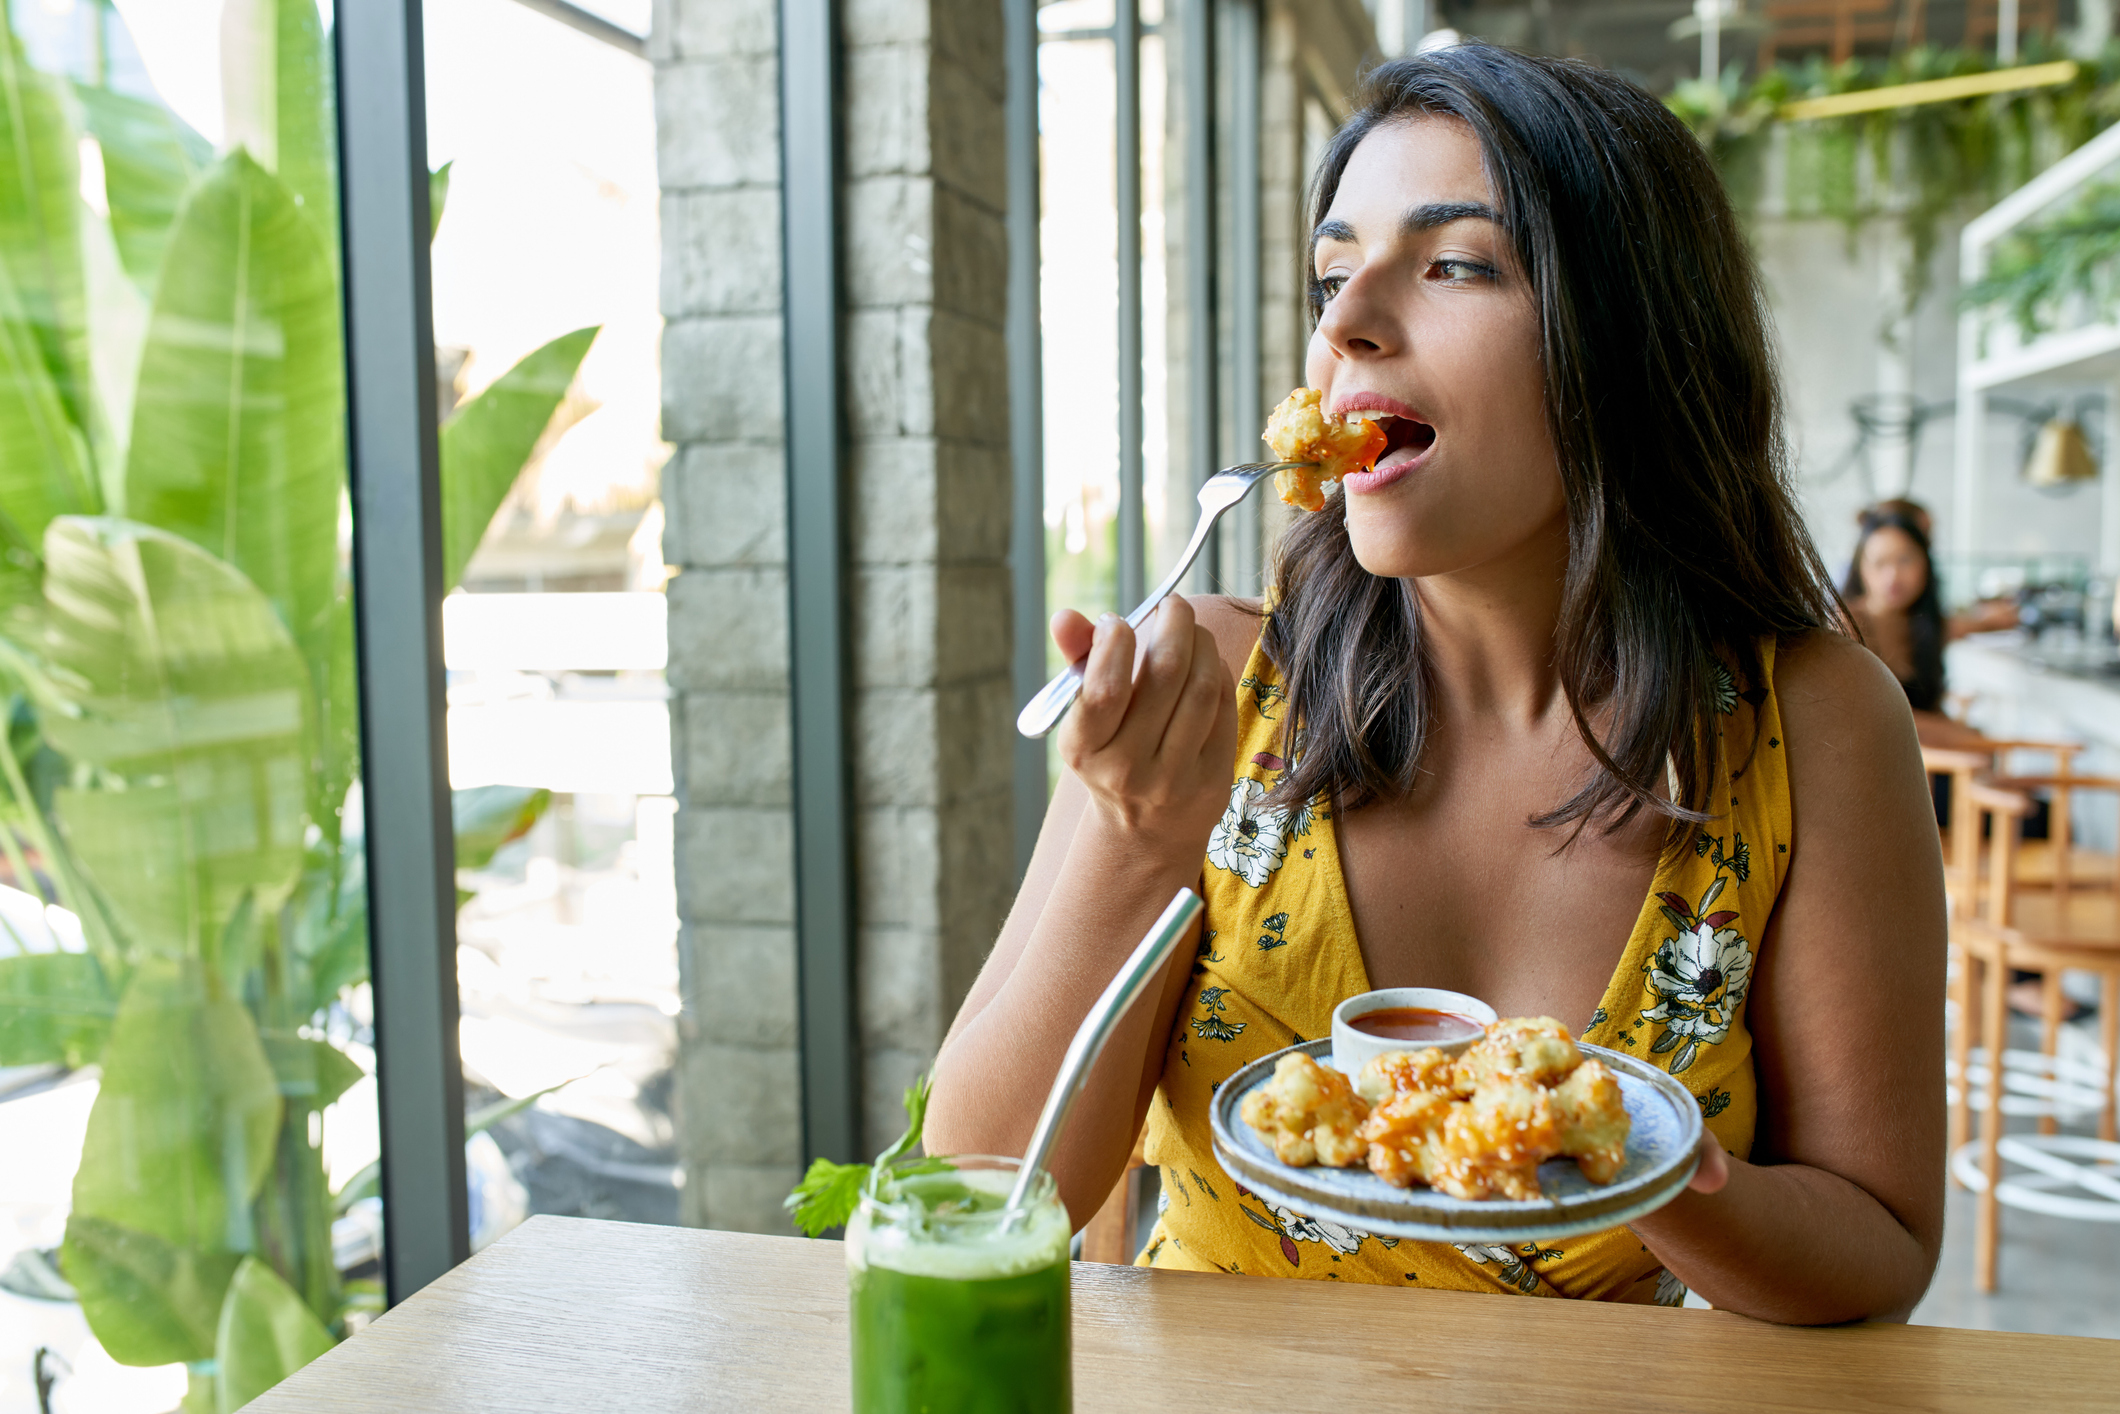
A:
1218,495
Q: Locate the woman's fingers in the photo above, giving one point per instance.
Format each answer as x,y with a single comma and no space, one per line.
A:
1201,701
1165,663
1072,634
1107,690
1714,1170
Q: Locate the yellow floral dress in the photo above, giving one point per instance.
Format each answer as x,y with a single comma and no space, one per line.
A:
1279,952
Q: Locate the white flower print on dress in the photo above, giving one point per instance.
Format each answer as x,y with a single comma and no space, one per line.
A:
1702,976
1514,1269
1252,839
1344,1240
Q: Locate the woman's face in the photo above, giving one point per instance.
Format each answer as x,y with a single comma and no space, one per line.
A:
1893,570
1428,325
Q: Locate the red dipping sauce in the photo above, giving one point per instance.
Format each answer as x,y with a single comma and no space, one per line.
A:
1416,1024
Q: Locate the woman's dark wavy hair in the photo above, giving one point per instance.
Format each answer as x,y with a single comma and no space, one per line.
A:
1925,623
1685,545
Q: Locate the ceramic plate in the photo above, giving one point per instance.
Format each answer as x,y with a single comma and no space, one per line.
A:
1661,1157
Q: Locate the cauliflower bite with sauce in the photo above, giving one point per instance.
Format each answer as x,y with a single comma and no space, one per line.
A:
1403,1134
1593,1121
1299,431
1493,1144
1309,1114
1535,1048
1402,1072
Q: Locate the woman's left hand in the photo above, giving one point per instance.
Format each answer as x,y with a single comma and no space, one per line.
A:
1714,1170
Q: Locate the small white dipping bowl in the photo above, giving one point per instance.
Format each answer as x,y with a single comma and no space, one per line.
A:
1352,1049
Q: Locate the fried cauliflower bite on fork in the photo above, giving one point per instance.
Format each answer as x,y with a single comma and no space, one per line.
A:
1537,1049
1401,1072
1299,431
1309,1114
1593,1121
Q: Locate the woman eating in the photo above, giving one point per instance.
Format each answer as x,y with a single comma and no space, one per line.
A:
1564,656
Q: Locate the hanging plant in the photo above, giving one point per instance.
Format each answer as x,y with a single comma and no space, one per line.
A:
1922,166
2036,268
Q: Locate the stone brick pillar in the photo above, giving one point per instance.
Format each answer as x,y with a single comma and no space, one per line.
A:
928,501
933,720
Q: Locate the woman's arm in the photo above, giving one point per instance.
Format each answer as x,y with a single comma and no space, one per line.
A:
1148,751
1838,1215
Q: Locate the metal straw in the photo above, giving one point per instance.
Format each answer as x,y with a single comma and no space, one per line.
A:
1096,1029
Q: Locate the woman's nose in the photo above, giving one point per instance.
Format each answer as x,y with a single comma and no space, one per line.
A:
1356,324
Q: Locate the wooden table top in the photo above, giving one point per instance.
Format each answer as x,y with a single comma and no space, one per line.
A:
568,1314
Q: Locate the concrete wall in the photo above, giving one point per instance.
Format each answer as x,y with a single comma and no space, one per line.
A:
928,504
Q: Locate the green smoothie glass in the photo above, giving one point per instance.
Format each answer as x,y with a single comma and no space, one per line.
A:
956,1311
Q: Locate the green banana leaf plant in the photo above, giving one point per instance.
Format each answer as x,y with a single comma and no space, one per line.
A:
181,760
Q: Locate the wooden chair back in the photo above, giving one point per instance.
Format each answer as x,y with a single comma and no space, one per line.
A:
1983,20
2069,868
1960,835
1837,26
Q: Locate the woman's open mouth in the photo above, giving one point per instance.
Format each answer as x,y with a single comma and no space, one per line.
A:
1404,435
1407,441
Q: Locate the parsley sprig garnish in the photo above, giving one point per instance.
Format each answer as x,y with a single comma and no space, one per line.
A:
829,1192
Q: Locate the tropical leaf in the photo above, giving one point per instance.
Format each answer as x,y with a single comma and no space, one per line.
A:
181,682
238,438
45,470
486,443
55,1007
150,159
437,197
276,94
149,1301
311,1073
487,817
265,1334
40,215
179,1142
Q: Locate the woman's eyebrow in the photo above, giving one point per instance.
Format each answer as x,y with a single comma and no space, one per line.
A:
1425,217
1441,213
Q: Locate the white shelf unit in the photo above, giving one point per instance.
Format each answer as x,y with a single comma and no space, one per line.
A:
1992,358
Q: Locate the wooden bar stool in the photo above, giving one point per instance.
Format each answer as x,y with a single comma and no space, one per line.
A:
2047,931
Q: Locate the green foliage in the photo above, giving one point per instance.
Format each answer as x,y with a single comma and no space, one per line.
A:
150,159
2035,268
486,817
55,1008
177,658
485,445
238,439
265,1334
1921,166
829,1193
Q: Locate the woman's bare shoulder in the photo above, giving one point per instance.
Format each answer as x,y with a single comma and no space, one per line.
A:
1845,715
1825,678
1234,623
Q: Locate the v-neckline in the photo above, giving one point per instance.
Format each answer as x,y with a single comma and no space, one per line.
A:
1669,864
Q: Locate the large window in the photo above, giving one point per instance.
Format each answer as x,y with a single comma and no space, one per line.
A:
545,273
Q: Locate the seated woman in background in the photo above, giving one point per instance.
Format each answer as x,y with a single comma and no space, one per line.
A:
1892,598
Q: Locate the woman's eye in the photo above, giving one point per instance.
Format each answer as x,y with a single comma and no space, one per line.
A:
1462,270
1324,287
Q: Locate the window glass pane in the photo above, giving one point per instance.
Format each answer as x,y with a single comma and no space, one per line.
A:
187,1123
546,320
